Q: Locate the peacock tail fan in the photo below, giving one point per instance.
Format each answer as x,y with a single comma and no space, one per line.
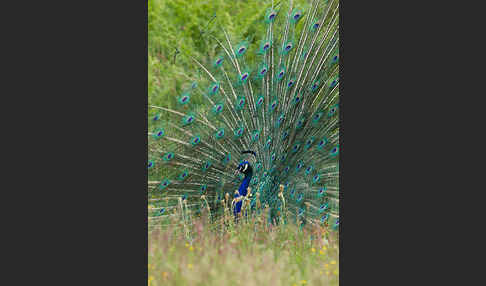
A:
274,92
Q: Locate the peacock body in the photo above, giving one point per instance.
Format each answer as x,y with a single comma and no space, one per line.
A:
267,131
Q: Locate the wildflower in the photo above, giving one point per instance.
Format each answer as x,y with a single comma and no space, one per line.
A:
333,262
321,272
187,244
324,248
321,252
326,265
191,248
189,266
303,282
335,272
313,249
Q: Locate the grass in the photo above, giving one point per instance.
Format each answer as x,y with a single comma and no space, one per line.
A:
248,253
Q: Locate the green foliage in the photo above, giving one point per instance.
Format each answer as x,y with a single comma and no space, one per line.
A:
186,26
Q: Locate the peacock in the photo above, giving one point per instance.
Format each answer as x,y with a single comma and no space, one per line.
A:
256,126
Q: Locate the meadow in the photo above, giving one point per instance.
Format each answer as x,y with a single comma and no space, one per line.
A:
251,252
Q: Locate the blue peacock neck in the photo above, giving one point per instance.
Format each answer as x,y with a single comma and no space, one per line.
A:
245,183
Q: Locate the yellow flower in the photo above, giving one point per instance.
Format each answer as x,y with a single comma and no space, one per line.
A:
326,265
151,278
333,262
321,272
313,249
187,244
324,248
303,282
321,252
189,266
335,272
191,248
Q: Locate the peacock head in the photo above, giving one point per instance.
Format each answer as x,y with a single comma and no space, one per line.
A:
245,168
